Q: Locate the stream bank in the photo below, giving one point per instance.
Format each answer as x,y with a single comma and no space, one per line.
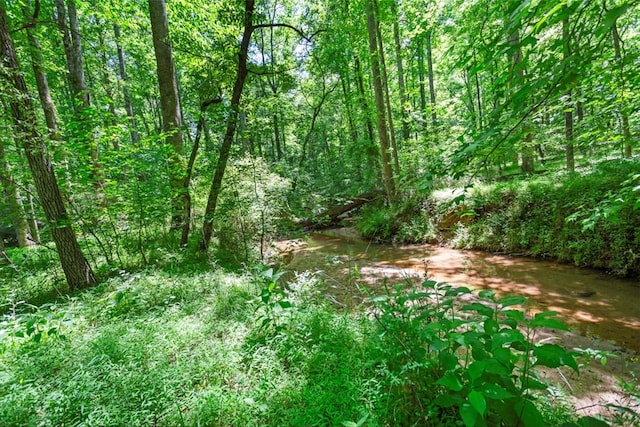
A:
589,219
353,269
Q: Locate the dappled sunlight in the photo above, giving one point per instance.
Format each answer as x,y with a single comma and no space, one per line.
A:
590,301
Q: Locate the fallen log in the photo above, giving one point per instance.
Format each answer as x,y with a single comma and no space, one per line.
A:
331,216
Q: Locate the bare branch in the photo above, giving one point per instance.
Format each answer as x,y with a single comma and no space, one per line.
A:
291,27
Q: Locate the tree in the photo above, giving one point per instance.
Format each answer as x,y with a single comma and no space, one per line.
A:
171,116
68,24
14,201
568,105
383,130
77,270
232,122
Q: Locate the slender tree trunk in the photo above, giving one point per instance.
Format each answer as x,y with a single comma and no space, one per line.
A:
76,268
171,115
568,103
478,96
14,202
421,82
432,88
31,219
401,85
387,97
109,121
122,69
527,166
346,93
44,94
626,129
72,44
362,95
225,149
314,118
383,132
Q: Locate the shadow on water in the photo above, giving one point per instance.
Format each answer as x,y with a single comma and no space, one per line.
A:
592,302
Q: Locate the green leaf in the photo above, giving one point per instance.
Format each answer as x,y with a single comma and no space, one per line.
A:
611,17
545,320
451,382
591,422
477,401
479,308
495,392
285,304
469,415
554,356
487,294
530,416
512,300
446,400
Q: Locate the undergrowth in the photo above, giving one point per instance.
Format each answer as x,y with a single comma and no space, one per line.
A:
198,346
589,219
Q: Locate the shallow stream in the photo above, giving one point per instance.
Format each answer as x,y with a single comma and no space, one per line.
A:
593,303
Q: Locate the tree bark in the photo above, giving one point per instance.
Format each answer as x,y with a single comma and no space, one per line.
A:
72,44
362,95
385,90
568,103
432,88
330,216
225,149
76,268
171,114
421,82
626,129
528,165
122,69
14,202
401,85
383,132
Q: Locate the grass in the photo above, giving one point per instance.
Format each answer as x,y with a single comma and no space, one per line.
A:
195,345
173,348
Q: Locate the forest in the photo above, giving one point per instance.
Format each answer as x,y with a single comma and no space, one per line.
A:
164,163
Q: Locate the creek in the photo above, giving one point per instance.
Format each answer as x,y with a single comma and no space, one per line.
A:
591,302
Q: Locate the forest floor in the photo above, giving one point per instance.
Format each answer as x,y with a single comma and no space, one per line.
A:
599,388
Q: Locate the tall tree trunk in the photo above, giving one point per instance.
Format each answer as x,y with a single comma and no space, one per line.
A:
568,103
76,268
314,118
72,44
14,202
109,121
432,88
362,95
385,89
527,166
626,129
421,82
346,93
171,114
401,86
122,69
383,132
225,149
478,95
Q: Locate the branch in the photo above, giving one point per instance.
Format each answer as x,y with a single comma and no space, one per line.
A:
34,18
291,27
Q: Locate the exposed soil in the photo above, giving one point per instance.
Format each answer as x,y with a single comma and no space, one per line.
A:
604,312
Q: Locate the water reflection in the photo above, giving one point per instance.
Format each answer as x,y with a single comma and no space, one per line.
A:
592,302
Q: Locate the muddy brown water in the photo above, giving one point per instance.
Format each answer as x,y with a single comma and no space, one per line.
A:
591,302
